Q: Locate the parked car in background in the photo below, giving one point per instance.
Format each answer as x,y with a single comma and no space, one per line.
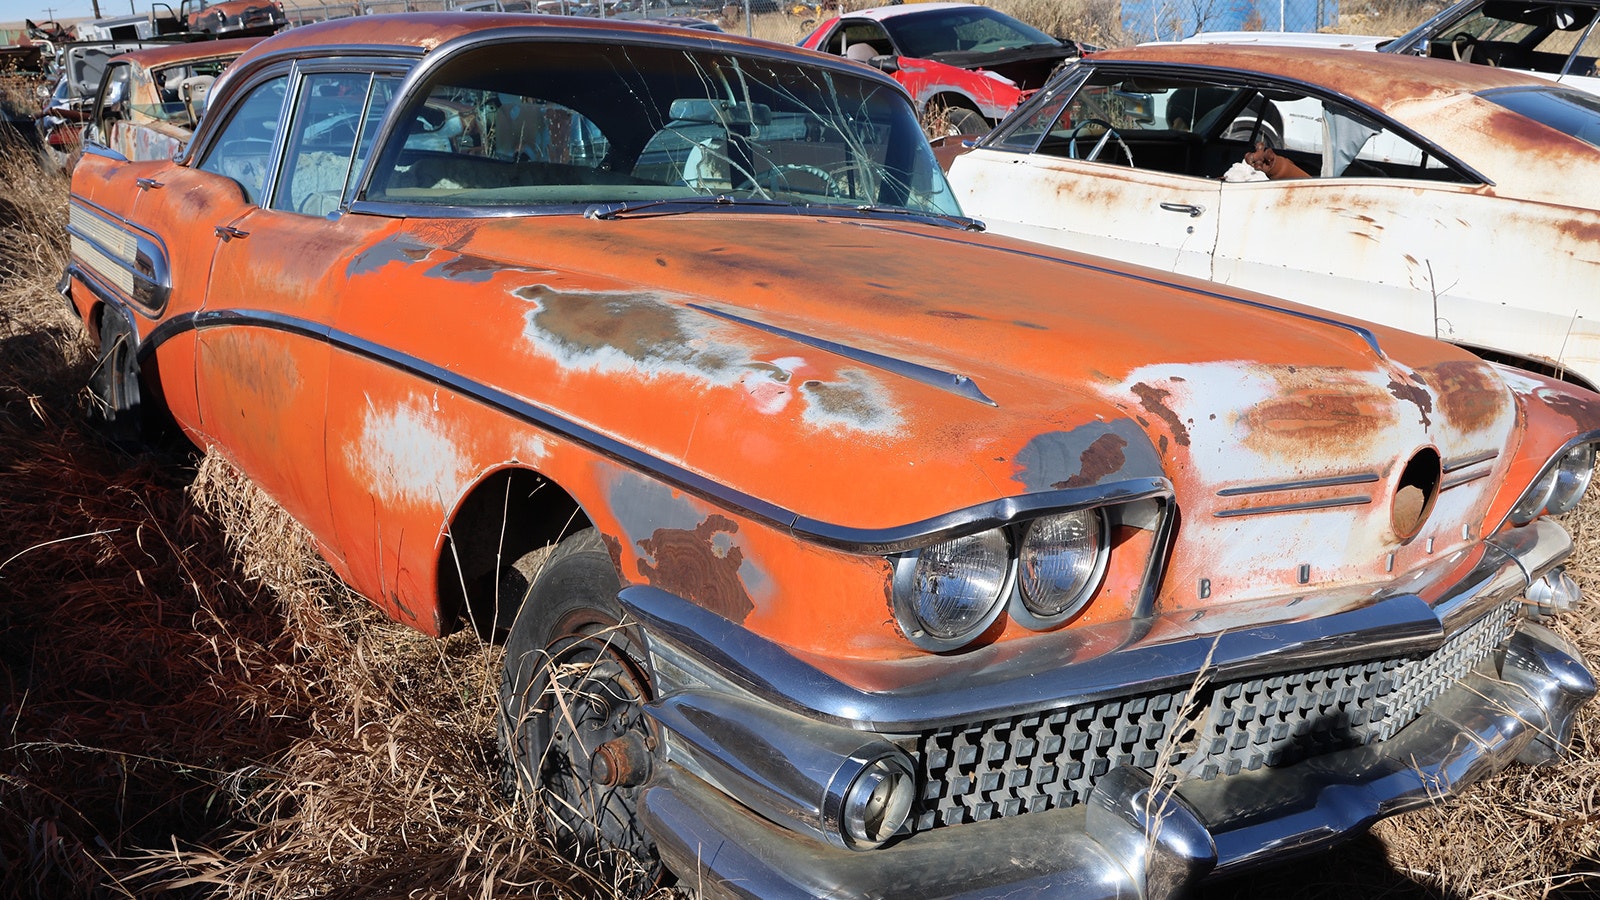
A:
826,566
973,62
150,100
1555,39
81,66
1461,202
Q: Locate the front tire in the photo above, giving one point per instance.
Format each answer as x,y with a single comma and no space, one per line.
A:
576,743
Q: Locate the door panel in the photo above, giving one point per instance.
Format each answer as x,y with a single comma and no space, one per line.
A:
1445,260
1145,217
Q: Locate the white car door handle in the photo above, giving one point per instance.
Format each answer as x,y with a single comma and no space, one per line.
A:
1192,209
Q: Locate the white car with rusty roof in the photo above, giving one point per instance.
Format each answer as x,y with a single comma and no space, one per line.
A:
1461,202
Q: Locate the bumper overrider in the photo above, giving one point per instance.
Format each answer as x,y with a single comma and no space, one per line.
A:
1082,772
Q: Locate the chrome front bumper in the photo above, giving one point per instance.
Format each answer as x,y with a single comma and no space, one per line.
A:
741,737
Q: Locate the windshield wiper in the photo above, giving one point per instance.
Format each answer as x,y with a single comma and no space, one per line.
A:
675,206
965,223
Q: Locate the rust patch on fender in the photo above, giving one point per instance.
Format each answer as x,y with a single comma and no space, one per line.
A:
1306,418
700,566
1469,393
1102,458
1154,400
1414,394
613,547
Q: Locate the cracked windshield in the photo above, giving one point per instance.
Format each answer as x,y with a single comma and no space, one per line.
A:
511,125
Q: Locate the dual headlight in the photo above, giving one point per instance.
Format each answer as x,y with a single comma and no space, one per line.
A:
1044,570
1559,487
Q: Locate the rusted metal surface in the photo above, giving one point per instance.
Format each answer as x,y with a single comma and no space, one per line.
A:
1504,265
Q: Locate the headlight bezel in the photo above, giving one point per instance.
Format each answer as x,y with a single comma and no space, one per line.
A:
1548,495
1010,598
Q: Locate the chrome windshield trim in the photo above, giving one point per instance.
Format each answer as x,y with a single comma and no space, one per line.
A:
1076,666
877,541
1306,484
950,382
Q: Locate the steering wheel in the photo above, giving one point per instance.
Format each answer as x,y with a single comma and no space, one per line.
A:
1100,145
776,178
1461,46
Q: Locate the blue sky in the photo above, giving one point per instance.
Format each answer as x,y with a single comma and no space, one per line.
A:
17,10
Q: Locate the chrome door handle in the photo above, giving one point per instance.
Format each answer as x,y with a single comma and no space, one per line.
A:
146,184
228,232
1194,210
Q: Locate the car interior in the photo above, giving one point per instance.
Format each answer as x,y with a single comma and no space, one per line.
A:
1205,128
1552,38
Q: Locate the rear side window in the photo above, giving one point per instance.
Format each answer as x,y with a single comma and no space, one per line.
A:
1572,113
243,151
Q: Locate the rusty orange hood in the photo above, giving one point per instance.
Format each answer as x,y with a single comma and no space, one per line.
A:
778,352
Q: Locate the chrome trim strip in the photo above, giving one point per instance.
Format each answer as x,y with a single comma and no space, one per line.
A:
1333,481
1075,666
94,149
1366,335
1452,465
950,382
892,539
145,263
1333,503
1455,481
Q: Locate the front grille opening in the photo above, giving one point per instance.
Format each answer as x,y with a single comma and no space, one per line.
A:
1050,760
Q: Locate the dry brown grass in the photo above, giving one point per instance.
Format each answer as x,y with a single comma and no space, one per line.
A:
191,706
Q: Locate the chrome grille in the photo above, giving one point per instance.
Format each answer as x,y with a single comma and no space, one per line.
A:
1050,760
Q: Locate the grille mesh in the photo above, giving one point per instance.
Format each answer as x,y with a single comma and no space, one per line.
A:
1050,760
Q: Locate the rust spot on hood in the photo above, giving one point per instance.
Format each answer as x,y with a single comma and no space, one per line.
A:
702,565
1415,394
1470,394
640,326
1154,400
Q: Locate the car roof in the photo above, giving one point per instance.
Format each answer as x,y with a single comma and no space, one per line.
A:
171,54
879,13
1438,99
1378,80
419,32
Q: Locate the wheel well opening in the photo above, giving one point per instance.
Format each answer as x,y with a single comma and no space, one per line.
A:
509,515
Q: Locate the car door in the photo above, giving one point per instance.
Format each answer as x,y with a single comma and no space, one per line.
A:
1097,166
1378,227
262,356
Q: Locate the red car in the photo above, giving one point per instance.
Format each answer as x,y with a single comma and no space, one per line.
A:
974,62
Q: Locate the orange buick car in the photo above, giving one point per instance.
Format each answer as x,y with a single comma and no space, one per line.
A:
837,548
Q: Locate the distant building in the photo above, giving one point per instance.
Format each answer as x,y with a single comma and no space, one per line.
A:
1173,20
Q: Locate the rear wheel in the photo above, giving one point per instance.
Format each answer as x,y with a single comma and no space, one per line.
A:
114,384
576,742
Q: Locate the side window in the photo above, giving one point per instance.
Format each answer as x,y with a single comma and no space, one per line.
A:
243,150
335,111
868,36
113,101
